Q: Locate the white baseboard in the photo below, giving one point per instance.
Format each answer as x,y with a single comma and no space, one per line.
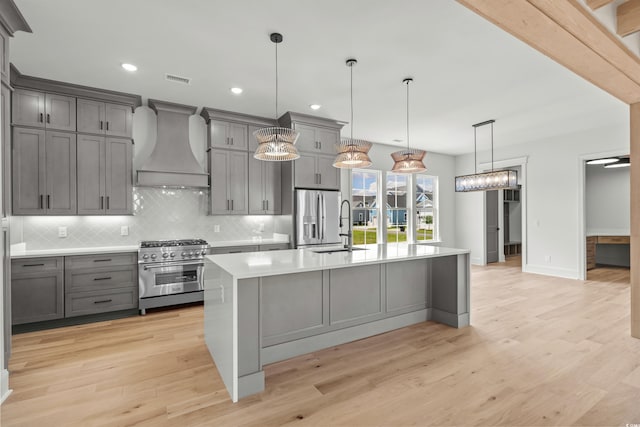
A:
477,261
5,391
566,273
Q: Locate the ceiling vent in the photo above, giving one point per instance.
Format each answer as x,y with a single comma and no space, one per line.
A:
177,79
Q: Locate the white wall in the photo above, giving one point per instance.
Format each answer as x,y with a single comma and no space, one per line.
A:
607,200
440,165
553,172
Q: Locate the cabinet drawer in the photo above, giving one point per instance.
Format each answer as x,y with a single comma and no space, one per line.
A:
20,267
105,260
81,303
232,250
274,247
101,279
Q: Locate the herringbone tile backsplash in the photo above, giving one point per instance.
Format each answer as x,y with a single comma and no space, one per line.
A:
158,214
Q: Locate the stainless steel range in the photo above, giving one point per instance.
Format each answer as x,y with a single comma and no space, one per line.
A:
170,272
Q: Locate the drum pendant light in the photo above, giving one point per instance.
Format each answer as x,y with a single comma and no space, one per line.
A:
485,181
410,159
276,144
352,153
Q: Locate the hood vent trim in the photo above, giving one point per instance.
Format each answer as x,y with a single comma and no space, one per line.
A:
172,162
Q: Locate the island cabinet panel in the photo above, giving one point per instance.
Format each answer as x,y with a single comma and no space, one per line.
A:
450,302
249,326
407,286
356,293
292,306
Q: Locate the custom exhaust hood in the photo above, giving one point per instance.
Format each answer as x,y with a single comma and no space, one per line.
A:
172,163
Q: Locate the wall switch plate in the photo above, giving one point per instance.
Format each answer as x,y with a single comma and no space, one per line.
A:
547,259
124,230
62,231
216,228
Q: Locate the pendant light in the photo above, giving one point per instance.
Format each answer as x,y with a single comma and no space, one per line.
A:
276,144
352,153
408,160
485,181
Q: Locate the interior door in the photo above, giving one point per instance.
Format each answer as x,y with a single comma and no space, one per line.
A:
492,225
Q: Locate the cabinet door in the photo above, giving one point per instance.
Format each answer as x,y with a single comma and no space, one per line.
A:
237,181
119,177
238,136
307,140
305,175
220,203
272,188
60,151
37,297
256,186
119,119
91,175
329,176
219,132
28,108
60,112
28,171
91,116
327,139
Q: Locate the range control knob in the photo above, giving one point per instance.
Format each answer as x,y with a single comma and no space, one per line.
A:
165,255
184,254
203,253
145,256
172,254
190,254
154,256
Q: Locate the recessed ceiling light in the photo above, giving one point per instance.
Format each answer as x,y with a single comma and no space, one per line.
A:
129,67
236,90
315,106
603,161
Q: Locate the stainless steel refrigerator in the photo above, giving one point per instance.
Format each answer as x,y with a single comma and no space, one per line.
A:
316,218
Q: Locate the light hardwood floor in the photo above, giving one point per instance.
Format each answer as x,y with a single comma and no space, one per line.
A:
541,351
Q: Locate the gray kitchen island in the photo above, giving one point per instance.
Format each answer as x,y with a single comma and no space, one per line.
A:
263,307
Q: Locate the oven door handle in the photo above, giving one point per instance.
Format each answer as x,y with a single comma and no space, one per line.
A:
175,264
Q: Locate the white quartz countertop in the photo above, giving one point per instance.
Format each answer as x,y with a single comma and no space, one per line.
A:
260,264
247,242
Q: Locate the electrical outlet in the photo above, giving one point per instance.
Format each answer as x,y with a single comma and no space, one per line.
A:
547,259
62,231
216,228
124,230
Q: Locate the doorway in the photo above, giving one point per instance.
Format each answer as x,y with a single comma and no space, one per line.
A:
492,228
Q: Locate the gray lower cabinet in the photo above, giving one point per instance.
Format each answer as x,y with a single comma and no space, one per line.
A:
316,171
102,118
50,111
44,172
229,195
104,176
37,289
100,283
264,187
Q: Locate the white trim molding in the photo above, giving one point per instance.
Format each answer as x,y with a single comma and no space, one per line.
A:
5,391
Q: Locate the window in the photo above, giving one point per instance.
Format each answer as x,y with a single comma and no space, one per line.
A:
396,207
426,206
364,206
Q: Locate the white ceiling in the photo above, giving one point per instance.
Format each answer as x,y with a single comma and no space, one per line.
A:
466,70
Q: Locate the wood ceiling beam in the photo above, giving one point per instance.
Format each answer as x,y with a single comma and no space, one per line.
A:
586,48
597,4
628,18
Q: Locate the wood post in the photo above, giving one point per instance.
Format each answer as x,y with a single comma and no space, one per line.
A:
635,218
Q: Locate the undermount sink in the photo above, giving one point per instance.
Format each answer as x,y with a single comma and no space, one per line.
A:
332,250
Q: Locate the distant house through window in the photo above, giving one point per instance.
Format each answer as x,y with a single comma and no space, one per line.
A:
364,204
426,206
396,191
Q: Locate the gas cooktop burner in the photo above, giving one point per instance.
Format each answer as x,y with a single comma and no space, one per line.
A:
170,243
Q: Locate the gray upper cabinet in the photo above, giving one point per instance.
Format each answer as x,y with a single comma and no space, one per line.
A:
50,111
229,195
44,178
314,139
228,135
316,171
102,118
104,176
264,187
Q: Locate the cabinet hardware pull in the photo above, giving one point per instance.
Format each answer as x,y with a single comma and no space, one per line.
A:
102,260
226,140
231,204
48,201
231,140
101,202
102,301
41,118
33,265
320,144
48,118
107,202
235,252
102,278
319,178
41,202
267,202
227,204
101,122
107,125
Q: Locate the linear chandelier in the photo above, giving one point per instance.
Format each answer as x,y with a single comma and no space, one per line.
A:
352,153
408,160
276,144
485,181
